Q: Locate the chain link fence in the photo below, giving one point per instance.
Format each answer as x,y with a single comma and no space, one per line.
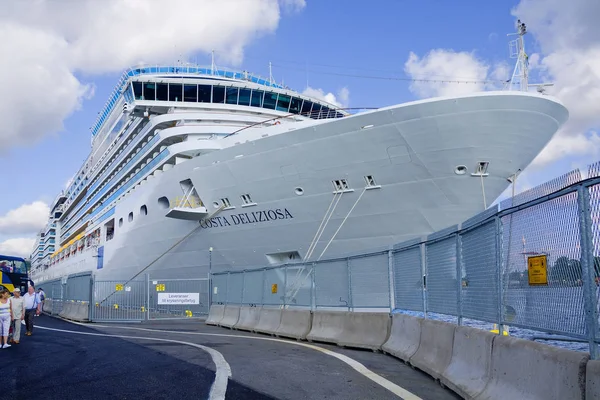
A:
530,264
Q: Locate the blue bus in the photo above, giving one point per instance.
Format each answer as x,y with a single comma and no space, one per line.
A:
14,272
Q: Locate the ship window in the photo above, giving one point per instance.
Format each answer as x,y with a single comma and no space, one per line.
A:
218,94
244,99
175,91
306,106
190,93
144,210
315,111
130,218
162,92
204,93
149,91
295,105
120,222
283,103
257,98
270,100
137,90
232,95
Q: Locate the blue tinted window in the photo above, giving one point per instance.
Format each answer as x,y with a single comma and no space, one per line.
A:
295,105
283,103
137,90
218,94
324,112
315,111
257,98
162,91
244,99
306,106
204,93
175,91
270,100
190,93
232,95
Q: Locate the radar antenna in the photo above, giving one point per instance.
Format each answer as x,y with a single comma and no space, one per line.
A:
520,74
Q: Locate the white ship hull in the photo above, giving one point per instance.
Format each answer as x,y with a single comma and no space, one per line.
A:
410,150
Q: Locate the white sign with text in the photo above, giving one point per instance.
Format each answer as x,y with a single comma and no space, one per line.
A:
178,298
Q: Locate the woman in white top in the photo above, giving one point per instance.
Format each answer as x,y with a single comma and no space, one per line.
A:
5,317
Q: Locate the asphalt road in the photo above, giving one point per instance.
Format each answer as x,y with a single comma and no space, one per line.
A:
56,364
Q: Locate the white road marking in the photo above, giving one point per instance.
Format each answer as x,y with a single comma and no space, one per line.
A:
223,370
357,366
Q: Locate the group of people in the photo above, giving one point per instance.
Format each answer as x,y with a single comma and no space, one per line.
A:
17,308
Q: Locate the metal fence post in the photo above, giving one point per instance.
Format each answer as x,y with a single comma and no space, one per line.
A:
499,254
91,303
243,287
459,266
264,288
313,288
147,313
391,286
587,269
349,274
227,282
284,285
424,275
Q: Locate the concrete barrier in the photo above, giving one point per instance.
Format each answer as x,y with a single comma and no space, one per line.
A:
470,363
523,369
435,347
592,380
295,324
365,330
268,320
230,316
327,326
67,309
48,305
248,318
215,314
404,338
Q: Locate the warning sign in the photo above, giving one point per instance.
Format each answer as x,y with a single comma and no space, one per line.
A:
274,288
160,287
537,267
119,287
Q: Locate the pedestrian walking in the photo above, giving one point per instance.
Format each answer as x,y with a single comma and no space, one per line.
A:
18,313
32,307
5,317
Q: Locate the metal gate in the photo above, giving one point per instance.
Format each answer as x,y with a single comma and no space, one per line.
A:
177,298
118,301
148,298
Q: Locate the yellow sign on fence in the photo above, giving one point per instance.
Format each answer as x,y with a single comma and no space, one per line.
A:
119,287
160,287
537,267
274,288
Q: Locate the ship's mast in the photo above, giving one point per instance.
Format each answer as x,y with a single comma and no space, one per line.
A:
520,74
517,50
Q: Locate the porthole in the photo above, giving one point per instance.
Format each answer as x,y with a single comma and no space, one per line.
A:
144,210
215,204
299,191
460,170
130,217
120,222
163,202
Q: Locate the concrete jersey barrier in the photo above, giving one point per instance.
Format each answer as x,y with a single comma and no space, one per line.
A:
268,320
404,338
327,326
470,363
523,369
435,347
295,324
248,320
230,316
592,380
215,314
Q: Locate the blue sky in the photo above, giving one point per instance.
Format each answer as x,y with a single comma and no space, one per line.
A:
312,42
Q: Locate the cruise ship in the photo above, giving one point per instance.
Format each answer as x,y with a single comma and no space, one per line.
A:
196,168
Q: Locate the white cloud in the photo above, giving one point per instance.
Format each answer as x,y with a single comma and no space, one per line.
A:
19,247
340,100
444,72
29,218
48,42
568,35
